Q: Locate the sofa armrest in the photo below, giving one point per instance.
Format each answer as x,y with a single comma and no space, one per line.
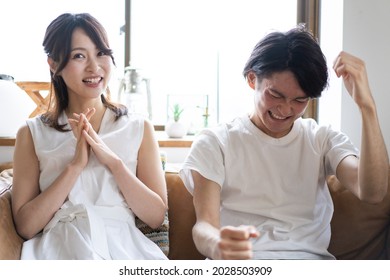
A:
181,215
359,230
11,242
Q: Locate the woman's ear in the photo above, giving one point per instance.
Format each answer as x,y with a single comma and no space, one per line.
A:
251,79
52,64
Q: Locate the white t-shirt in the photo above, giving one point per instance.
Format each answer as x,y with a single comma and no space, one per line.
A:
275,184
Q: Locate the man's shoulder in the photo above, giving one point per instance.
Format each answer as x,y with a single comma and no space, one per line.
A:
225,129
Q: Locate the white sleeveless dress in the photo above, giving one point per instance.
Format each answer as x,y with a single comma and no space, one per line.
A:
95,222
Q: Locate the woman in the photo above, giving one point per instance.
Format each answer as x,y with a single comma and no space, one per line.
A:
85,169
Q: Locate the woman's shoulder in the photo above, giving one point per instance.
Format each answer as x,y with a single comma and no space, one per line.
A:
23,136
127,125
37,118
23,131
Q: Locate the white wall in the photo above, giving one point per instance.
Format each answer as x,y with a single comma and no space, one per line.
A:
366,34
331,41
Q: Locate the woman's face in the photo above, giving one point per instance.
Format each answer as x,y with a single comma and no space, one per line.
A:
279,101
88,70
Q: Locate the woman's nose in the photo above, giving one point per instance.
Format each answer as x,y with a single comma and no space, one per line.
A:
93,65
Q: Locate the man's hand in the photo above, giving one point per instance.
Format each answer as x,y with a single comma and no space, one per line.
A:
353,72
235,242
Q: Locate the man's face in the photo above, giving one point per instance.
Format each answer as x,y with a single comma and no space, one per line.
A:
279,101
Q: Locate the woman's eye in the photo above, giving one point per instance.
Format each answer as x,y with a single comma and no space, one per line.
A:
102,53
78,55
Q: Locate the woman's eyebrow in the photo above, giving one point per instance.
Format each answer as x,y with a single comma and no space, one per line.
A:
78,49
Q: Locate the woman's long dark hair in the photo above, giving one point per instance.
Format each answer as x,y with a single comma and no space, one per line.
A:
57,45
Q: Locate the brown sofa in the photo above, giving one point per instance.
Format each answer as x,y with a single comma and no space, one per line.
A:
359,230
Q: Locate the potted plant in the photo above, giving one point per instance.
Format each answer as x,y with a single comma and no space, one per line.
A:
175,128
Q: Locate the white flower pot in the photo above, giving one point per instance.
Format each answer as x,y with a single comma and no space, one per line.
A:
175,129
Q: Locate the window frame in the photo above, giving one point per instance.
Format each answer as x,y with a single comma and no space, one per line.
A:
308,12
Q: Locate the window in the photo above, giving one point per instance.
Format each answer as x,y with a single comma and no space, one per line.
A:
198,48
23,25
192,50
22,32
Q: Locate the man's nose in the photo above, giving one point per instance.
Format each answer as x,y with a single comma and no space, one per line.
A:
285,108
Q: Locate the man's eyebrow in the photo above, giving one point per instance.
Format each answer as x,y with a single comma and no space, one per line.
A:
276,91
282,95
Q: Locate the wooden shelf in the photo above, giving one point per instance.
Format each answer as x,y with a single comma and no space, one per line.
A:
7,141
163,140
175,143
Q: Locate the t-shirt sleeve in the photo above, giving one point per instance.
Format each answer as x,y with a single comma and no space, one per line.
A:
205,157
339,147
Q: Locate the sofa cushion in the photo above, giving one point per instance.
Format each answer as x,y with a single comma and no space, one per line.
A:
5,180
159,235
11,243
7,165
359,230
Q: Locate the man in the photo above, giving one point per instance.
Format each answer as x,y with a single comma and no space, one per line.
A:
259,182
